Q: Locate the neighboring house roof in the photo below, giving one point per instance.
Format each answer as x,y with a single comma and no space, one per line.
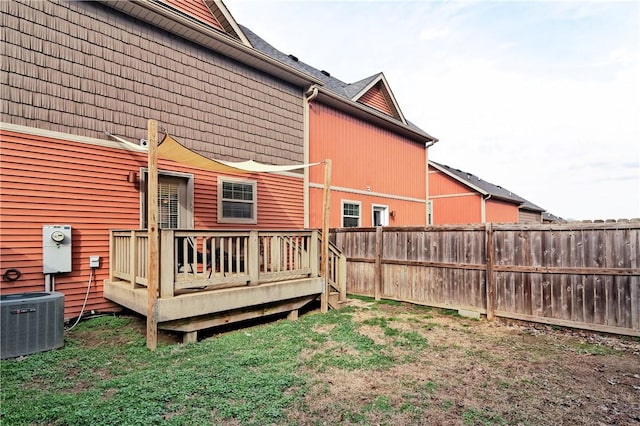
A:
484,187
350,92
550,217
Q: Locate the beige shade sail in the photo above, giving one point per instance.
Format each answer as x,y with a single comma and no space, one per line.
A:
170,149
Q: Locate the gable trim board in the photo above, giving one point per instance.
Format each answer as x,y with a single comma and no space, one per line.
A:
161,16
223,16
50,134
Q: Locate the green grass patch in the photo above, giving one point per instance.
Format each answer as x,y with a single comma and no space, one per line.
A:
481,417
591,349
451,313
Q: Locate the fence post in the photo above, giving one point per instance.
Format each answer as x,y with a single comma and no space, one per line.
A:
377,280
489,281
342,277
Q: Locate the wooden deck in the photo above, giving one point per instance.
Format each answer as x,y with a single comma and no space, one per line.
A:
209,278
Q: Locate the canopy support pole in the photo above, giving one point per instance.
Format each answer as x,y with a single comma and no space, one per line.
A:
153,275
324,259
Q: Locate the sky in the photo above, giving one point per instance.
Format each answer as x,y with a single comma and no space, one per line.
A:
539,97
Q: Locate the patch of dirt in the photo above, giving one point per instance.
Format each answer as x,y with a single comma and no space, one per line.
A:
476,372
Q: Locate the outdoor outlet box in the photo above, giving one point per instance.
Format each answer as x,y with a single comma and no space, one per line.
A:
94,261
56,249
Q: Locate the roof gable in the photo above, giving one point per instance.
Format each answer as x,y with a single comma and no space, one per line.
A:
349,92
212,13
377,94
222,14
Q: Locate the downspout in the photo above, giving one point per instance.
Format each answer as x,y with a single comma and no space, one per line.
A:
308,97
484,208
426,179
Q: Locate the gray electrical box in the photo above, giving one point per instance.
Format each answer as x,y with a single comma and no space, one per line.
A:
56,249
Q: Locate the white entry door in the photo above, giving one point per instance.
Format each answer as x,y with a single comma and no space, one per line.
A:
380,215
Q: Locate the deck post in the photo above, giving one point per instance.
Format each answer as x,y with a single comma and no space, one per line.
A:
112,255
167,267
133,258
314,256
253,253
152,229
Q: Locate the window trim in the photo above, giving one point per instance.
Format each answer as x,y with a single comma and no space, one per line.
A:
342,216
254,184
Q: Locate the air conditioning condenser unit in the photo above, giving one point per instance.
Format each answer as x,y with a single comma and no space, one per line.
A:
30,323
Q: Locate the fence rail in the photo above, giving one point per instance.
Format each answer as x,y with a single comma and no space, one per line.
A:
579,275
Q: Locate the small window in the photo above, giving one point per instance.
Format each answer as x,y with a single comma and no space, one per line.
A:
237,201
429,212
350,214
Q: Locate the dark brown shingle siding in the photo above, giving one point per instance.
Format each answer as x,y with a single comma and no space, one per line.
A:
83,68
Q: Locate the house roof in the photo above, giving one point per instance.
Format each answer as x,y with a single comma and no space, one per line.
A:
484,187
336,88
550,217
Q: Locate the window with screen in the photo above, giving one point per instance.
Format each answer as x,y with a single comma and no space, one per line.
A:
168,206
237,201
350,214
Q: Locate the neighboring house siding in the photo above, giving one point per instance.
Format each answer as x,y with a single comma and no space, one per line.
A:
457,210
84,68
53,181
366,159
501,211
441,184
529,216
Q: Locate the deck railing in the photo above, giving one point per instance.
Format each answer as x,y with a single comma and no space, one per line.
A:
208,260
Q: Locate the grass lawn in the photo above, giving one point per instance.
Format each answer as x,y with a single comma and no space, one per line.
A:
370,363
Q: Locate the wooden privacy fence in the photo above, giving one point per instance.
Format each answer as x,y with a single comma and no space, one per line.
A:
583,275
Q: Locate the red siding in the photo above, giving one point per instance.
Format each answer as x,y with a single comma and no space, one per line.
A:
367,159
375,98
456,203
501,211
457,210
442,184
53,181
197,9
